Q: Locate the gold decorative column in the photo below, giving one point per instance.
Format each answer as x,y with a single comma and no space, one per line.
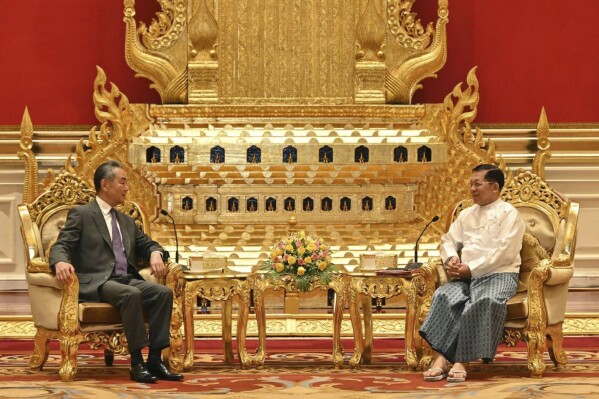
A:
370,61
26,154
203,64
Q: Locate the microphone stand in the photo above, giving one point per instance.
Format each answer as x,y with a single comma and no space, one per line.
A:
416,265
165,213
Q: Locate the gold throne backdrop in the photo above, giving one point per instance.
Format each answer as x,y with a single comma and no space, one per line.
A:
287,110
286,51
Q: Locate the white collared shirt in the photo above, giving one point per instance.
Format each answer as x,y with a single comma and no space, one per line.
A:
105,208
489,238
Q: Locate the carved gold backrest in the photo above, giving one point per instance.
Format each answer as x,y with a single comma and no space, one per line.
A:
42,220
544,211
550,219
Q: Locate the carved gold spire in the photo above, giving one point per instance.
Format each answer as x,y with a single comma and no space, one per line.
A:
370,34
286,52
411,56
543,145
467,148
370,63
203,31
26,154
113,110
161,54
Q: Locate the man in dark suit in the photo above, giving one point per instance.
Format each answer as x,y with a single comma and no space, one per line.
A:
101,244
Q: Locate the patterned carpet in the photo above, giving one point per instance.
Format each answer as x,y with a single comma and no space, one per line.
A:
302,367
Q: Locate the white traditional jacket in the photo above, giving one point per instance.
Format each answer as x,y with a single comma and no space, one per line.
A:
488,237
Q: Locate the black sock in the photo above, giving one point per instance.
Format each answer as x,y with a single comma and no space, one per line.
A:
154,355
136,357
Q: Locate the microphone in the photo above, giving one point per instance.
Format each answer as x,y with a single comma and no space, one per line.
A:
416,265
165,213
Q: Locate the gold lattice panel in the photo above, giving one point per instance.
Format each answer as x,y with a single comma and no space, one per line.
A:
387,325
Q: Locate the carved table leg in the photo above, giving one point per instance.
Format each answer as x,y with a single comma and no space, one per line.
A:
242,321
356,321
261,321
227,325
337,320
368,334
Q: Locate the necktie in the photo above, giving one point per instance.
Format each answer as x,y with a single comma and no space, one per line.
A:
117,247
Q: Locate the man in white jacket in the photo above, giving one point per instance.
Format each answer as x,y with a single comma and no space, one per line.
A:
481,254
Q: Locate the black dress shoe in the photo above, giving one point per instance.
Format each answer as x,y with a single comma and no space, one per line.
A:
160,371
140,374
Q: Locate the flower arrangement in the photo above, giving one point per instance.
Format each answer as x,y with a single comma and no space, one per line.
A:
303,257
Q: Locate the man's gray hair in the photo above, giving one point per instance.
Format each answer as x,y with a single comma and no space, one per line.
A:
105,171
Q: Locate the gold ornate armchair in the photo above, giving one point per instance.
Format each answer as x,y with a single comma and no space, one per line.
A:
536,313
57,312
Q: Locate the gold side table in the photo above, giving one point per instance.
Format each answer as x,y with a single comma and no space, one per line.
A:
261,283
418,289
218,287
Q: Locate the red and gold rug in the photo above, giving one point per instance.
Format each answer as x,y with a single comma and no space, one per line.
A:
302,367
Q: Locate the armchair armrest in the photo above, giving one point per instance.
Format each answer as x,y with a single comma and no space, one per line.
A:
568,244
53,306
438,269
38,265
42,279
557,274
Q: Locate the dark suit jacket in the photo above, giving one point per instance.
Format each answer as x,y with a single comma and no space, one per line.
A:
85,243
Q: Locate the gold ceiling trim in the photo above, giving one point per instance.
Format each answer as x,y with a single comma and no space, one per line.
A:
389,112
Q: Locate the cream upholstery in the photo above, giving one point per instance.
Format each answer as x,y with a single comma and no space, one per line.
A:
56,311
536,312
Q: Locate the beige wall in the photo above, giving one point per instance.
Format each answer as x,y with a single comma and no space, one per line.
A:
12,270
580,183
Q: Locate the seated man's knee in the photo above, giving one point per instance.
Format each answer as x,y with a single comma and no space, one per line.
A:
133,294
165,292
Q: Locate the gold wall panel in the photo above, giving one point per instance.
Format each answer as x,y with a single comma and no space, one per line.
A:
384,325
286,51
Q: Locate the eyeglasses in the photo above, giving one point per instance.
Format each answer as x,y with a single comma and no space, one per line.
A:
479,184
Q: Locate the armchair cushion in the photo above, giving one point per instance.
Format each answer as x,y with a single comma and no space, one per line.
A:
539,225
517,307
99,312
51,226
531,254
